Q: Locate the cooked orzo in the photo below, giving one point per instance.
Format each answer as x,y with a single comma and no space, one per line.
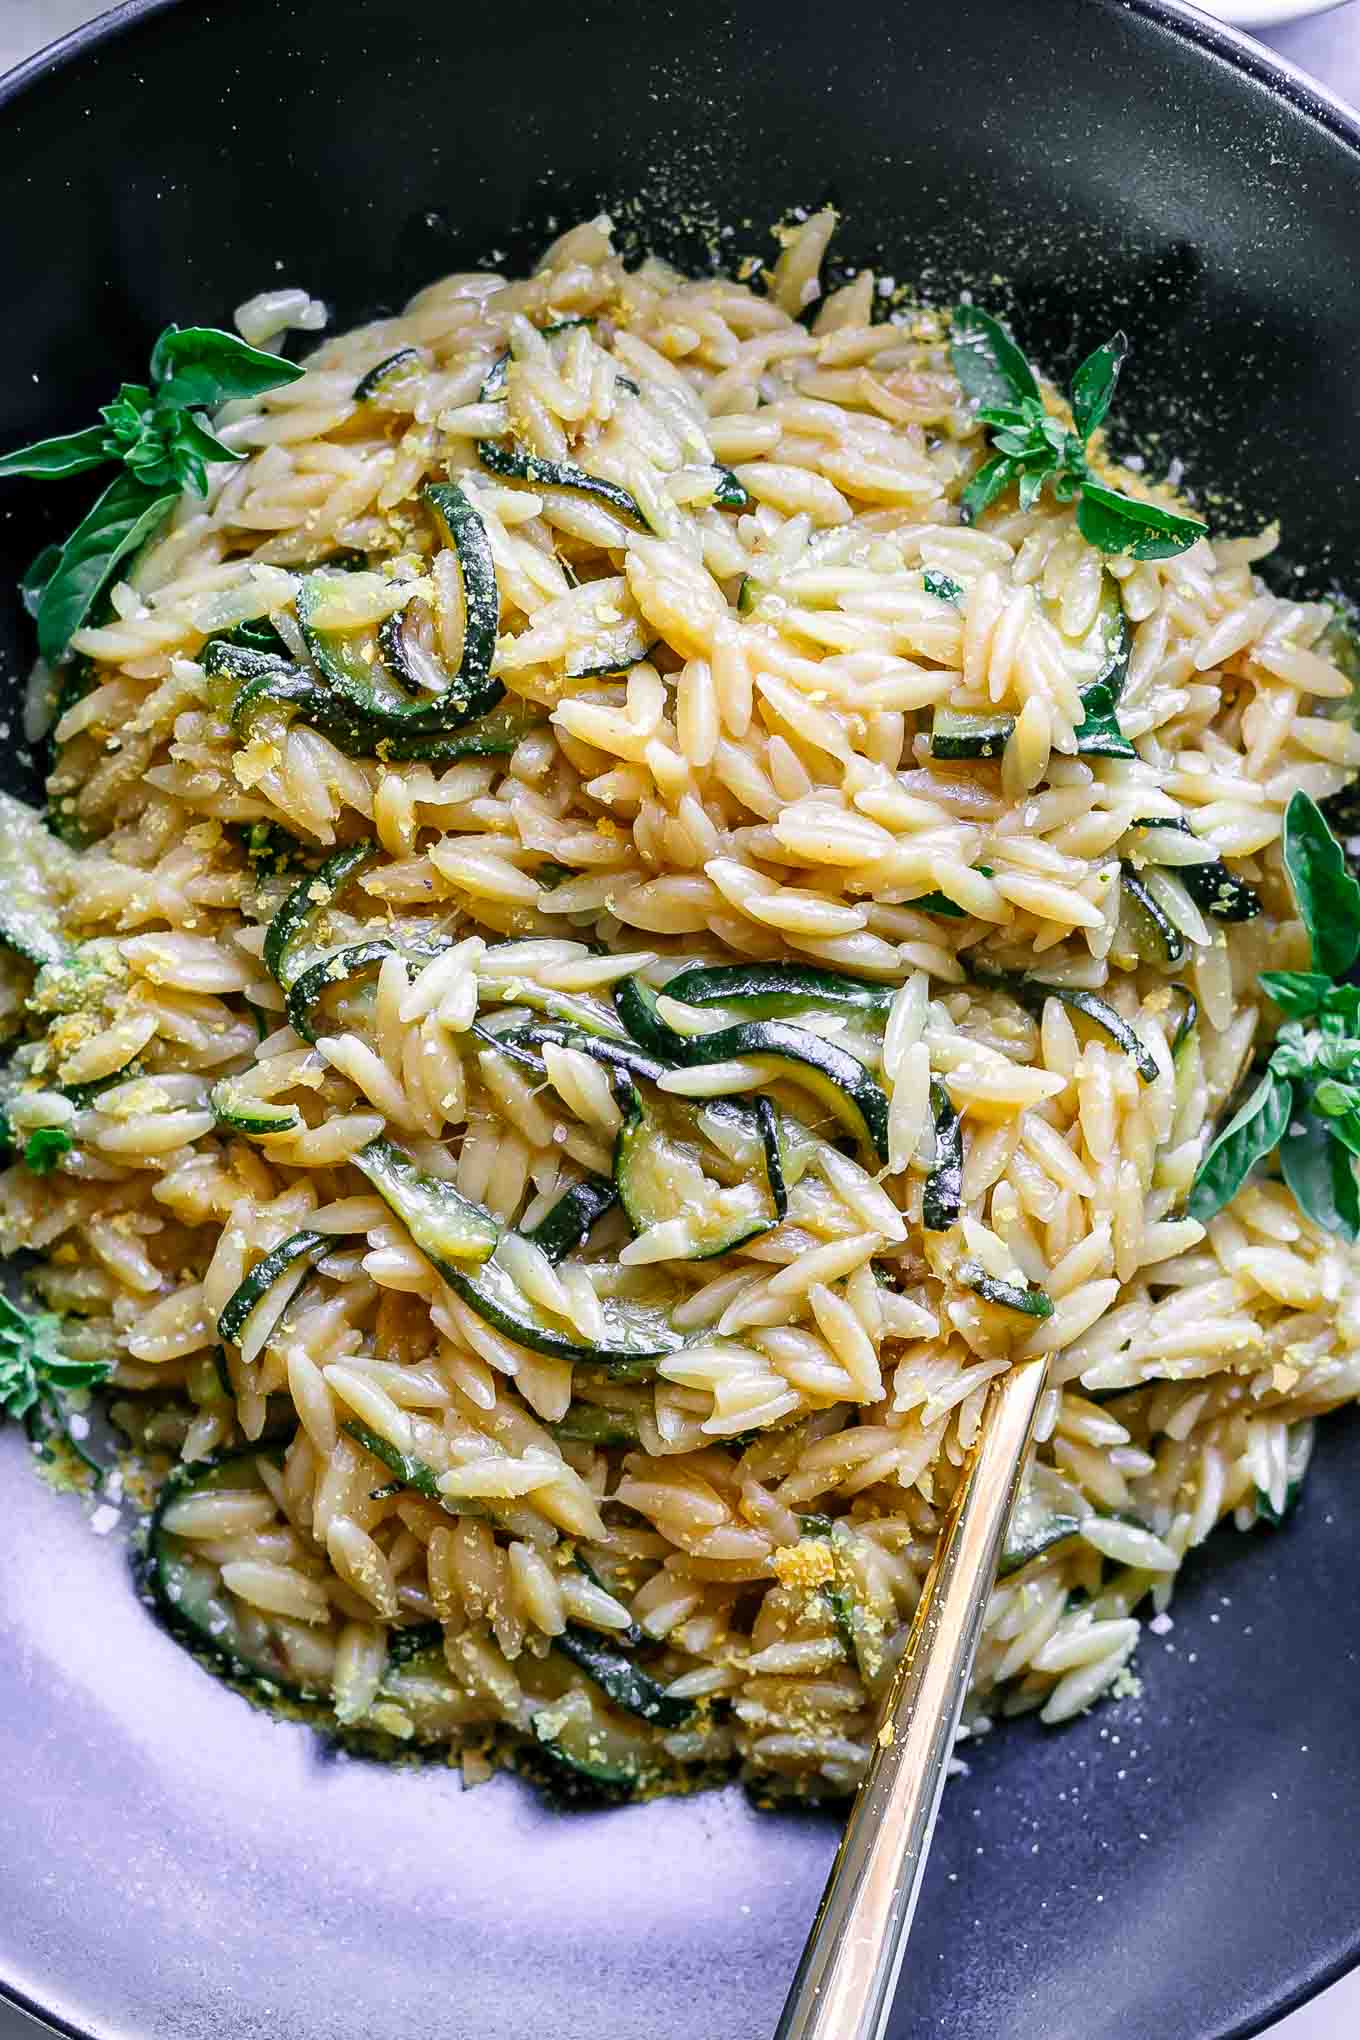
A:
604,959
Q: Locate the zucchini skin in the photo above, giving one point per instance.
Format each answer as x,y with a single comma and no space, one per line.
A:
1028,1302
619,1679
942,1197
1211,886
1155,938
641,1132
1031,992
573,1217
393,368
299,1246
845,1085
515,463
205,1642
310,898
768,991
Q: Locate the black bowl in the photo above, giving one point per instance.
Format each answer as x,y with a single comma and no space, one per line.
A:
1178,1865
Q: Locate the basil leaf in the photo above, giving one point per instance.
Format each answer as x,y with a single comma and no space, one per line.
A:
37,574
987,361
986,485
1121,524
942,585
1321,1175
1292,1056
1341,1004
1327,897
126,513
50,459
1249,1135
1297,992
200,367
1093,384
1031,486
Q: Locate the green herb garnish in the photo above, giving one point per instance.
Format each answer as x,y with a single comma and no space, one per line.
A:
1307,1101
156,431
1032,448
35,1376
45,1147
943,585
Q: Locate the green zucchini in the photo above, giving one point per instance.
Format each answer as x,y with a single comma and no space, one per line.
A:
409,1471
764,991
1210,885
574,1009
597,1744
352,661
573,1217
240,1111
34,867
187,1590
299,1246
342,966
1189,1016
1145,933
941,1198
730,494
592,1424
837,1079
523,1045
1031,992
636,1335
1109,639
459,1238
659,1174
620,1679
1029,1300
291,940
1036,1526
388,374
254,680
516,463
956,735
446,1226
615,653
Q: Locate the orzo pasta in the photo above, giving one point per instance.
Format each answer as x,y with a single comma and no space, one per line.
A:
599,999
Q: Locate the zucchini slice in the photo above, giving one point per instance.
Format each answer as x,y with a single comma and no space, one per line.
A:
956,735
1029,1300
573,1217
837,1079
1211,885
636,1335
446,1226
35,867
620,1679
299,1246
765,991
388,374
458,1239
408,1471
592,1424
659,1174
597,1743
516,464
1031,992
240,1111
1036,1526
941,1199
352,661
292,938
188,1593
1145,933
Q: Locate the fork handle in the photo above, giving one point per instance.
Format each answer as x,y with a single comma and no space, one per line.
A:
844,1984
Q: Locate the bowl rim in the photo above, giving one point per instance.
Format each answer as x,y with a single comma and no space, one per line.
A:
1187,23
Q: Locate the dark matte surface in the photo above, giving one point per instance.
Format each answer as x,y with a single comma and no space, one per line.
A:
1175,1867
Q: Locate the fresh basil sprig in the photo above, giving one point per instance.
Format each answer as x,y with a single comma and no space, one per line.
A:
1307,1102
1033,448
35,1375
156,432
